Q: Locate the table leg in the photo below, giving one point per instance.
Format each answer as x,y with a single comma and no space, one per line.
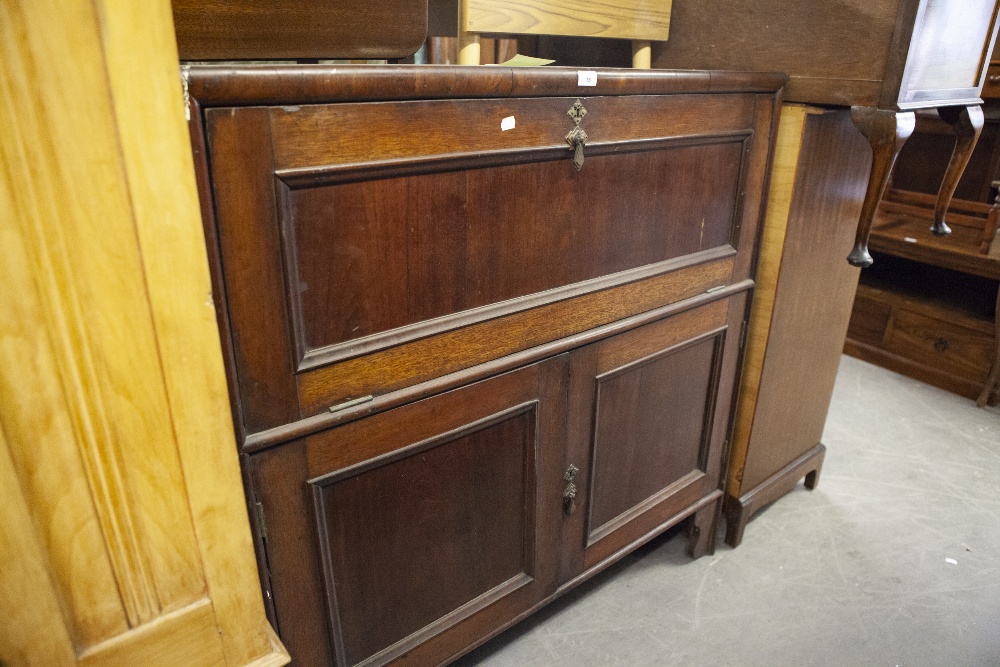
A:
886,131
967,123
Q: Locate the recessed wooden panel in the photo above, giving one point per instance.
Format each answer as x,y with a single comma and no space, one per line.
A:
650,428
419,529
377,255
409,542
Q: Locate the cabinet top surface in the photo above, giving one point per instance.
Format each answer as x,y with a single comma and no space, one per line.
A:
236,85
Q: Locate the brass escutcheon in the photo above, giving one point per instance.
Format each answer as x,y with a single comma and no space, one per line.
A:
576,137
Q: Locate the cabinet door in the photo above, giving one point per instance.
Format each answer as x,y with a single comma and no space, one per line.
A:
649,411
407,536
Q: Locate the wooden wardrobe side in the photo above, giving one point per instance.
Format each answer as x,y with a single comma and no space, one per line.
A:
800,310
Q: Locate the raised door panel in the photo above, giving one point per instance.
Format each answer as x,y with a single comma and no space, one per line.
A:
406,536
385,255
649,410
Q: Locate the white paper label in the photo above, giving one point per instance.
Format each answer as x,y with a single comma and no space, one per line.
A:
586,78
909,239
507,124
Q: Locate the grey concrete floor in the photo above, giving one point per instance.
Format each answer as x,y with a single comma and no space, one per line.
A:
853,573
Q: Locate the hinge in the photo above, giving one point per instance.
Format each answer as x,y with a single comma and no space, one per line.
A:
261,521
185,83
743,334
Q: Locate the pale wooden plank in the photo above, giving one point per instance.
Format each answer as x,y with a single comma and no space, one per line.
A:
32,632
85,258
146,87
624,19
186,636
33,407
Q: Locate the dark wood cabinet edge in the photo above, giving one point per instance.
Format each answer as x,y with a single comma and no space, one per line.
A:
242,85
739,510
898,247
352,172
257,534
595,535
713,500
206,199
772,145
261,440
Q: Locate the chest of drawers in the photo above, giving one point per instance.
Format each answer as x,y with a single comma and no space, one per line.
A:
482,329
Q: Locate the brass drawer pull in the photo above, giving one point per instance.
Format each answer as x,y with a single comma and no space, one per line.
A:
569,495
577,137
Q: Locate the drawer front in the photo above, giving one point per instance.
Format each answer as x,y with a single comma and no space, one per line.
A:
367,247
940,344
408,535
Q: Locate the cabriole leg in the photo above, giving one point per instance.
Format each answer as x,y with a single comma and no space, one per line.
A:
886,131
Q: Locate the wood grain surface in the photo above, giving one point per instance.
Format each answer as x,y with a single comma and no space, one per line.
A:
298,29
113,397
624,19
787,154
812,294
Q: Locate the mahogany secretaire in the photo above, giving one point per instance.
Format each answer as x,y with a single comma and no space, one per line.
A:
482,329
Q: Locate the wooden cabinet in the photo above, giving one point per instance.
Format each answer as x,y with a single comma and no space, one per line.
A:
472,361
435,523
800,310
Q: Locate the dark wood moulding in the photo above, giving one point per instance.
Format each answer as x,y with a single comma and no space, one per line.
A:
220,85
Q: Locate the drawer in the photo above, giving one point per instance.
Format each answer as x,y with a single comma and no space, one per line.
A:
367,246
941,344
